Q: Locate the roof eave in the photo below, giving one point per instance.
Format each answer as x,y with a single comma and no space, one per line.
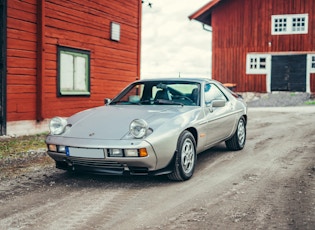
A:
203,15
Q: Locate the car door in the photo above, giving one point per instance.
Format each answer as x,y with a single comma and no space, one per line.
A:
220,119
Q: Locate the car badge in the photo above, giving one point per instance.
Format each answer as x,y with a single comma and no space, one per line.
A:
91,134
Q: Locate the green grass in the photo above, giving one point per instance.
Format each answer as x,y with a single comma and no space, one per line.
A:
14,146
19,155
311,102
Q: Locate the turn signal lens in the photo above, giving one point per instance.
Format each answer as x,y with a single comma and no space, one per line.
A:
52,148
143,152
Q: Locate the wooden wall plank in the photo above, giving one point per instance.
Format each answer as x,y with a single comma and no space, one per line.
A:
312,83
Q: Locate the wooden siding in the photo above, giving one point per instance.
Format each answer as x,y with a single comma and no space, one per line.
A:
312,79
81,24
21,60
243,26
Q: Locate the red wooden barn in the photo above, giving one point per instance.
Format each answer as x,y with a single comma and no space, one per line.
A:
60,57
262,45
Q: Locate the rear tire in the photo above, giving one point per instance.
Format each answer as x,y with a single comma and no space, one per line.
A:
237,141
185,158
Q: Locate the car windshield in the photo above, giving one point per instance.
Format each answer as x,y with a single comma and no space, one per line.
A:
160,93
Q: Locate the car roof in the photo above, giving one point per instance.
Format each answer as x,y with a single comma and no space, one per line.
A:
198,80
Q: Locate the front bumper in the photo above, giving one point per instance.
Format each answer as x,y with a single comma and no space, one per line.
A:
106,167
151,164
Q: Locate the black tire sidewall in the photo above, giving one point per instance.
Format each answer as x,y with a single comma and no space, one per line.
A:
181,140
233,143
238,141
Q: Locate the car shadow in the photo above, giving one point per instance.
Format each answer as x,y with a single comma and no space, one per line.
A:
211,154
83,179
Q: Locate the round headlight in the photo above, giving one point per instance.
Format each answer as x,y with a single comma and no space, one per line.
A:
138,128
57,125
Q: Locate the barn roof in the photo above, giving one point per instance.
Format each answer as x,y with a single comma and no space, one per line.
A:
203,15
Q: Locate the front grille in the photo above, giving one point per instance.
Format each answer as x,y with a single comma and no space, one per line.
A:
99,163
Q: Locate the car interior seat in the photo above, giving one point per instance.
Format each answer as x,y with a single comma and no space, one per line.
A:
195,96
163,94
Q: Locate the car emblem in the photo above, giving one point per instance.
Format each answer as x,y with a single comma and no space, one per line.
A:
91,134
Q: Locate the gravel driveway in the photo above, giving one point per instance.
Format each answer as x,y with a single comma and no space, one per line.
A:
276,99
270,184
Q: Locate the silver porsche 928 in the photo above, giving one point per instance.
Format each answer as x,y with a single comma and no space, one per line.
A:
153,127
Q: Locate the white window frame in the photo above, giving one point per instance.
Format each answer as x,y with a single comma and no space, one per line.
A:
257,63
289,24
311,63
73,72
310,69
115,31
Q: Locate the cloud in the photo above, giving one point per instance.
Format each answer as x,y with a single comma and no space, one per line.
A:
171,43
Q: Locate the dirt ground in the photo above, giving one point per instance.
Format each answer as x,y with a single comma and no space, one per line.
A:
268,185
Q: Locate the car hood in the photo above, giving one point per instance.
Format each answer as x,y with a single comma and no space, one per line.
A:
112,122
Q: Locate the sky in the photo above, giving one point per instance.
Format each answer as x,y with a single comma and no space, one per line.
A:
172,45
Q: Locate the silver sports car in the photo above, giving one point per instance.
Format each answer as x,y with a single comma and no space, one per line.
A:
153,127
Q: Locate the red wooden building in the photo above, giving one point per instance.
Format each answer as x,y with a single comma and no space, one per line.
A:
262,45
60,57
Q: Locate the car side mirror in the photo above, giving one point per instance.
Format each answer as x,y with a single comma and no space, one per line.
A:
218,103
107,101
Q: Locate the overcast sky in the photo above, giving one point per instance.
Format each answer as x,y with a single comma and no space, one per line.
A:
171,43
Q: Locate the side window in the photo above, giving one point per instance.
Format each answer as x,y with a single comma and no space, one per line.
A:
257,63
212,92
312,63
73,72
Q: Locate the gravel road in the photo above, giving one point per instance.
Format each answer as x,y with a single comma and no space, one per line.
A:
270,184
276,99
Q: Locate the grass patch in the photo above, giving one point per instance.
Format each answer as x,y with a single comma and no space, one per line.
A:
311,102
14,146
20,155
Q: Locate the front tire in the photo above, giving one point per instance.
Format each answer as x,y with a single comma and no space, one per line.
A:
237,141
185,159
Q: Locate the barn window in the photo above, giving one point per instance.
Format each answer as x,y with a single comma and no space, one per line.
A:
298,24
313,63
289,24
280,25
256,64
73,72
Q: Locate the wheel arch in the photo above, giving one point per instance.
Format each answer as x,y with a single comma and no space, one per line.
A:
245,118
194,132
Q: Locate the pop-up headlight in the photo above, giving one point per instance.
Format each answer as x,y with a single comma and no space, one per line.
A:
138,128
57,125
